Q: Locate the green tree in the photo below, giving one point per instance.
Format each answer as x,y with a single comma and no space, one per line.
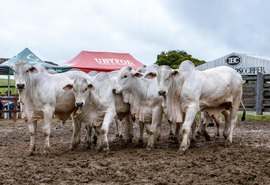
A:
174,58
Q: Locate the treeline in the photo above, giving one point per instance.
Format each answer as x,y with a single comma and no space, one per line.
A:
173,58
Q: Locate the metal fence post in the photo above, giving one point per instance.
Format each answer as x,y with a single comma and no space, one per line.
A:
259,94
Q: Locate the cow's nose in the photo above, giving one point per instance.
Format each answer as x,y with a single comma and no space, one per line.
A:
114,90
162,93
79,104
20,86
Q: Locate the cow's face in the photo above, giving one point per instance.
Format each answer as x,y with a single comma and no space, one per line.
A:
21,72
164,76
81,90
124,79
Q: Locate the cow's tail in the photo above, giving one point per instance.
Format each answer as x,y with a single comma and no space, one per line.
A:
244,111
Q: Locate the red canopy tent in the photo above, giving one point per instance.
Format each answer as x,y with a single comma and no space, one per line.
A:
102,61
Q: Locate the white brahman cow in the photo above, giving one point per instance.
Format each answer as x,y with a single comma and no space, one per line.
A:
145,103
42,96
98,106
188,91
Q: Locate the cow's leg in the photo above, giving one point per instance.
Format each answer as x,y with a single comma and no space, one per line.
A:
48,114
158,131
32,129
171,135
99,137
189,118
76,134
200,122
204,131
149,133
95,137
205,120
233,118
108,119
117,125
193,127
156,121
128,135
88,129
217,122
227,124
140,141
177,131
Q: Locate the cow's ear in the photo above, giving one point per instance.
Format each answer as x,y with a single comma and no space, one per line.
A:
91,86
150,75
68,87
32,70
174,73
137,75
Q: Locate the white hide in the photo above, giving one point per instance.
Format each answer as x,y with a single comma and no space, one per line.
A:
142,95
42,96
188,91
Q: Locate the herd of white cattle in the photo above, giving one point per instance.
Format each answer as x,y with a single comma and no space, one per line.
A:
147,94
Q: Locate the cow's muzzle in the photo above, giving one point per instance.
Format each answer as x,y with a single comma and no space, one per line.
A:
79,104
162,93
20,86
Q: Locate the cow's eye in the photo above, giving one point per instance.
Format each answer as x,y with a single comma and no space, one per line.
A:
85,89
125,76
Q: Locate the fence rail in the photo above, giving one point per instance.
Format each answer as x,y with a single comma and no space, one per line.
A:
256,93
13,99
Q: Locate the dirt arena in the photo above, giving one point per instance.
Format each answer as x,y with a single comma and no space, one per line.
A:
246,161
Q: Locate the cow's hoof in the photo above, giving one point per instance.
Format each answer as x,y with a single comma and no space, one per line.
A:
171,137
45,153
174,140
72,147
182,152
94,140
149,147
129,140
140,143
107,152
207,137
192,142
88,146
30,153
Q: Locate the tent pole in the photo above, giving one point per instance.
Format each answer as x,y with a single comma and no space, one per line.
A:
8,94
8,85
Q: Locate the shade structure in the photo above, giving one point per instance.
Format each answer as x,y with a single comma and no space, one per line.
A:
29,57
102,61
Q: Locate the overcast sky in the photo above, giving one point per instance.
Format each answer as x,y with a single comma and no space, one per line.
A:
57,30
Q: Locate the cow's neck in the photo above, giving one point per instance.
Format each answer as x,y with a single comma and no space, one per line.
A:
173,101
30,89
137,90
134,95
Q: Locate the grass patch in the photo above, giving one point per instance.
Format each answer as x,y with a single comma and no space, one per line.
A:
4,82
252,117
5,123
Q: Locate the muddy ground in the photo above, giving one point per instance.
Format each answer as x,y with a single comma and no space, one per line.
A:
246,161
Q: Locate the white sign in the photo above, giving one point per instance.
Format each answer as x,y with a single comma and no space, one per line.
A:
113,61
233,60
